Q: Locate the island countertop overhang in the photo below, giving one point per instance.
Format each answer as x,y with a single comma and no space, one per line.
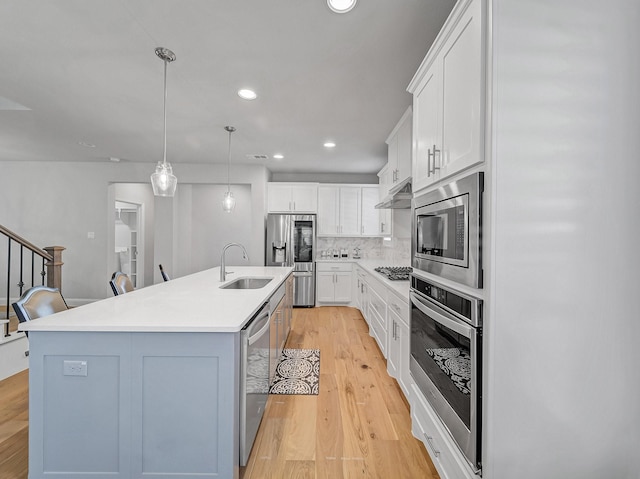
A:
193,303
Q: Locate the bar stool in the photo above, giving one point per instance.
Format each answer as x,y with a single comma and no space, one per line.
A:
37,302
120,283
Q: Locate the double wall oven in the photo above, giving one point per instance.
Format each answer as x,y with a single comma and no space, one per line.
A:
446,323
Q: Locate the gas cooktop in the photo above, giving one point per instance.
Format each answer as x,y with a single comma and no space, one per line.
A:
395,273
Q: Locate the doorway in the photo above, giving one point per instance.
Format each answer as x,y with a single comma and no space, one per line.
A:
129,244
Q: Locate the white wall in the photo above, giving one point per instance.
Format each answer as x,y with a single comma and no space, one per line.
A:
210,228
562,329
57,203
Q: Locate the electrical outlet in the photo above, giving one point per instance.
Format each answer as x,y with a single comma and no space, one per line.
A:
75,368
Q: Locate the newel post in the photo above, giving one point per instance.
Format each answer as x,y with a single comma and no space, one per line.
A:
54,268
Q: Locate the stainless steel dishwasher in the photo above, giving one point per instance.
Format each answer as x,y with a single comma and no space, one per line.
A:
254,378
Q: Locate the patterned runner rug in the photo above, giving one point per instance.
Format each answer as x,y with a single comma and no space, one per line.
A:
298,372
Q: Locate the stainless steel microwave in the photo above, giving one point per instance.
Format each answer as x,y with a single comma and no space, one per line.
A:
447,231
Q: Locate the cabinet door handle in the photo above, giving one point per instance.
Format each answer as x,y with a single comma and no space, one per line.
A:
429,154
382,227
434,159
433,448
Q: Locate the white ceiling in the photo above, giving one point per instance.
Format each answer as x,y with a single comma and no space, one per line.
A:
85,71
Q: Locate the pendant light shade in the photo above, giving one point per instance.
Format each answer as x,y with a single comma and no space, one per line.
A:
229,202
163,181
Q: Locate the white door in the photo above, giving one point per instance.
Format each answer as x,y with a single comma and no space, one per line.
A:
328,206
342,292
462,108
350,211
325,287
278,198
426,130
304,198
371,221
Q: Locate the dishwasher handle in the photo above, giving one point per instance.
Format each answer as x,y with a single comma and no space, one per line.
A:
262,316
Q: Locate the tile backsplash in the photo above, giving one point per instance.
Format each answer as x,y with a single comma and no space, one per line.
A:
391,251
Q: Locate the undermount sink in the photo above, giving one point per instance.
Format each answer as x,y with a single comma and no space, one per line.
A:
247,283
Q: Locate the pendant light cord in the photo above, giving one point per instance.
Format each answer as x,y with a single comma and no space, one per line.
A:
164,160
229,162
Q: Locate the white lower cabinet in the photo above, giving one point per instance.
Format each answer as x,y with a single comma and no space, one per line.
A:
361,293
427,427
398,342
333,282
377,305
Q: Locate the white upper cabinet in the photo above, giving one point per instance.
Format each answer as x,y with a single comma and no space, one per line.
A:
350,214
399,149
372,219
448,100
327,223
292,197
338,210
349,210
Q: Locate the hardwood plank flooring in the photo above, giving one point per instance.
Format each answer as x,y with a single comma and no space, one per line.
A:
14,426
358,426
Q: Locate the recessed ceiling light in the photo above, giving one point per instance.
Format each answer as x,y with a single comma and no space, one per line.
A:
86,145
246,94
114,159
341,6
278,156
329,144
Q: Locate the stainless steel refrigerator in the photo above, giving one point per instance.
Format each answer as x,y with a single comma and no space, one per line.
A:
291,241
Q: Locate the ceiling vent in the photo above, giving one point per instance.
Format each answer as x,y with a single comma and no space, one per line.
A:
258,157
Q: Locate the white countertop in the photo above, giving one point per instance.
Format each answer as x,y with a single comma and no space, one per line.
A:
401,288
193,303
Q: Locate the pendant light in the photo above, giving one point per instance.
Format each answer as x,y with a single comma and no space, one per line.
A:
163,180
229,202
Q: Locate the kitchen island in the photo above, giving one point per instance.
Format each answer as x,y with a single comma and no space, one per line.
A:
145,384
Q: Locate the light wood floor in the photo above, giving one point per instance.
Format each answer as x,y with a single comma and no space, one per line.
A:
357,427
14,426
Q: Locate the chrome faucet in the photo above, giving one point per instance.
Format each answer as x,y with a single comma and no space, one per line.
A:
223,273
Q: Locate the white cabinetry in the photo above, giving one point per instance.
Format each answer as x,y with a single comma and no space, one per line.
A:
398,353
339,210
384,184
333,282
448,99
374,222
362,293
350,211
399,149
292,197
428,428
133,260
377,309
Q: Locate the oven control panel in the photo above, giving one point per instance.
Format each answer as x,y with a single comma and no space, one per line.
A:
456,302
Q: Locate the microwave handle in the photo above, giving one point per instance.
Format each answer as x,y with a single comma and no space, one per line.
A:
452,324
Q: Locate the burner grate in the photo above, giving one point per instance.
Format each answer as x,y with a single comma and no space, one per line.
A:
395,273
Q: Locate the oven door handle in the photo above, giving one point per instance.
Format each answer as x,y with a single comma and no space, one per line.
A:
453,324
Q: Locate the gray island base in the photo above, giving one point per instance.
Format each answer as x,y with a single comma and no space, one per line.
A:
156,396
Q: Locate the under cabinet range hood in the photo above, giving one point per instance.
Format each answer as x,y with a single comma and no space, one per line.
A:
399,197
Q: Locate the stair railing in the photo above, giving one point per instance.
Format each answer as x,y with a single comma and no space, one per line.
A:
30,261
